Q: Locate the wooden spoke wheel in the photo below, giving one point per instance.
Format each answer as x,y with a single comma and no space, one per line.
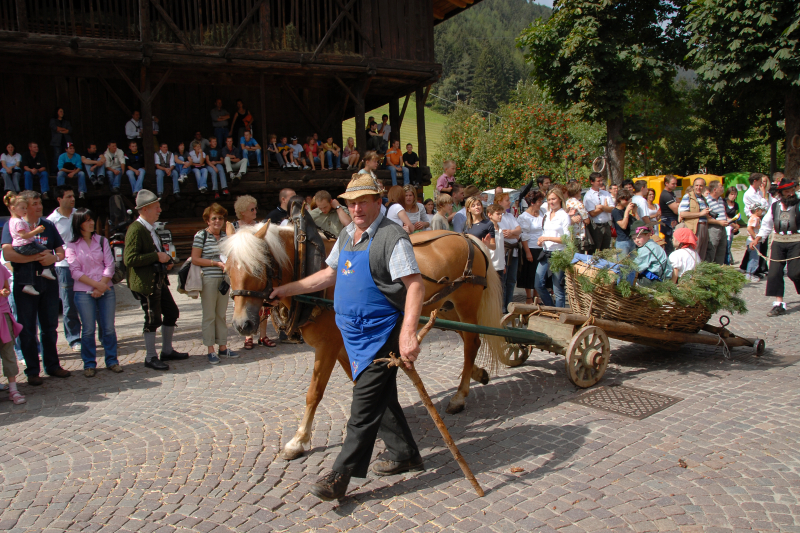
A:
587,356
515,353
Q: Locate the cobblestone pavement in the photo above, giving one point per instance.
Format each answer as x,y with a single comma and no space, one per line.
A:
196,448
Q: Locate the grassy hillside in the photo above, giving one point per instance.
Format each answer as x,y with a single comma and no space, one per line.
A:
434,124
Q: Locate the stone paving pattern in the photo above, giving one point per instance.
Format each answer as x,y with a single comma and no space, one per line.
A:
196,448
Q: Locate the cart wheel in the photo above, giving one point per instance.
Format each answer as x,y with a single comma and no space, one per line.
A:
759,346
515,354
587,356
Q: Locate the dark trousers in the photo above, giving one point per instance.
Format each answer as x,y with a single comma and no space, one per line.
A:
45,308
375,412
25,272
783,250
159,308
666,229
702,240
601,235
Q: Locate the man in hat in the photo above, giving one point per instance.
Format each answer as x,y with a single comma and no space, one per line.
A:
782,218
378,299
148,265
460,218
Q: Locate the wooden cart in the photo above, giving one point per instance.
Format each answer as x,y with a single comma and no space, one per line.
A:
583,340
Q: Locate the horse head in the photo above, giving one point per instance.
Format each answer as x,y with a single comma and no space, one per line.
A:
257,261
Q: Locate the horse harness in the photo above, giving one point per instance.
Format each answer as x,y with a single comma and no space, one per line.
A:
271,273
466,277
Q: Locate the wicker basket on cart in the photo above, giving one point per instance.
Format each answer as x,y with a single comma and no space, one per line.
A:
605,302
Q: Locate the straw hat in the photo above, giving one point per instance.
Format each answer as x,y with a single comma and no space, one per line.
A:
361,185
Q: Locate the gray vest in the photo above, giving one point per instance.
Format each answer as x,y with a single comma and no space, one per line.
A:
380,253
784,221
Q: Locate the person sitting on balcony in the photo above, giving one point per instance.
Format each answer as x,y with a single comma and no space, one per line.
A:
165,166
11,168
34,165
332,154
115,166
242,121
133,128
135,167
312,153
219,119
94,165
350,154
69,166
251,148
394,162
273,154
298,153
60,130
198,138
198,165
234,160
216,169
385,130
285,149
182,162
374,138
411,163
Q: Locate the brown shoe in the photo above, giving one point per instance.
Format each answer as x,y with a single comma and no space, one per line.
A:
35,380
331,486
89,372
60,373
116,369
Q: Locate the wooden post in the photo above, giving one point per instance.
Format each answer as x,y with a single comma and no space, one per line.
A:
144,24
394,119
148,139
264,140
422,149
361,132
266,27
22,16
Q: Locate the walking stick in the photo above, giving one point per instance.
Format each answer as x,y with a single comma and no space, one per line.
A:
426,400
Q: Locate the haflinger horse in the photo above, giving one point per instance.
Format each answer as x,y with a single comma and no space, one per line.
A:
459,282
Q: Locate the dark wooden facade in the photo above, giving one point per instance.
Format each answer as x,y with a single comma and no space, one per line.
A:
301,66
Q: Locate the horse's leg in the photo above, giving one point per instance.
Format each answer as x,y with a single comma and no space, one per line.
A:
480,374
471,344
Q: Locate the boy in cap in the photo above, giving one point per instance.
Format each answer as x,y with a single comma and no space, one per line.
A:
651,261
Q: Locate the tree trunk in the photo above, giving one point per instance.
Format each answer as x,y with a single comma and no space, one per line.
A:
792,115
615,150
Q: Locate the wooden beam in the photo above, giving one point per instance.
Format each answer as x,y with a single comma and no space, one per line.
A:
403,112
266,27
22,16
129,82
458,3
356,25
346,88
421,138
394,119
241,28
329,121
299,103
438,14
148,139
174,27
144,21
332,28
116,97
264,140
160,84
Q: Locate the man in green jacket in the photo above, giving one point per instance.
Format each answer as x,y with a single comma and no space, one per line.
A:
148,265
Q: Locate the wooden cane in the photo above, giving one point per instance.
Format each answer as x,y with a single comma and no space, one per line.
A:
426,400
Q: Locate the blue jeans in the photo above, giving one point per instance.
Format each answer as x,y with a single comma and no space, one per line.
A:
393,172
752,258
626,246
329,157
728,254
72,324
136,181
97,173
160,181
220,134
114,180
61,179
214,171
11,183
510,279
57,150
99,310
45,308
542,270
250,156
43,183
201,175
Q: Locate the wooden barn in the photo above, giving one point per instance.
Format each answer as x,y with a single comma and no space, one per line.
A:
300,67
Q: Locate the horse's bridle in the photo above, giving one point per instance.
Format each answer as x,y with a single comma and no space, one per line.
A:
271,273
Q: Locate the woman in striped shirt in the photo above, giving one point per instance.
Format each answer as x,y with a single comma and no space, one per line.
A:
205,254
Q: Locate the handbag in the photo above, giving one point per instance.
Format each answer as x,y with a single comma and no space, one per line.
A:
183,273
224,286
119,273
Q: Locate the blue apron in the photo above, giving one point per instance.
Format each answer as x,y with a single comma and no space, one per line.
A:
364,315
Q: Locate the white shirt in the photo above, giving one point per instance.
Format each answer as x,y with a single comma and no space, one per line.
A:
11,160
170,160
133,129
641,206
531,228
387,129
558,226
498,255
684,259
393,211
593,198
509,222
195,157
419,216
153,233
64,226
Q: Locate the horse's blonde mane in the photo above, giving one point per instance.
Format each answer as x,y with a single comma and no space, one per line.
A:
249,253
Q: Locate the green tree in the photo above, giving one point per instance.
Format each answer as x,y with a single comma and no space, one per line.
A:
489,84
749,51
594,54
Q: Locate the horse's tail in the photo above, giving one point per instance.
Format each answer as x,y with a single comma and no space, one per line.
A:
490,314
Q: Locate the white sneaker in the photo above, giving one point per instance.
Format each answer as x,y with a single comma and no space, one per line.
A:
28,289
306,167
47,274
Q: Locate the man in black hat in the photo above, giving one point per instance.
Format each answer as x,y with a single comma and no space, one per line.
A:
148,265
783,218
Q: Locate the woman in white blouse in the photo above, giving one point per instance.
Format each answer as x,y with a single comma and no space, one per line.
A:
531,221
394,208
555,232
198,165
415,210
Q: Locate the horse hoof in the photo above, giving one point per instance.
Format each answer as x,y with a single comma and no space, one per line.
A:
454,408
484,379
291,455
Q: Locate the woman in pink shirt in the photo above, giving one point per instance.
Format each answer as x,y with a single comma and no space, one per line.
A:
92,266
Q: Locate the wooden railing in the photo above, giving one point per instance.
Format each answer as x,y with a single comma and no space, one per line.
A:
391,29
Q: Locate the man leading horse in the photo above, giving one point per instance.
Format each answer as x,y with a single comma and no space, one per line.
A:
377,281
